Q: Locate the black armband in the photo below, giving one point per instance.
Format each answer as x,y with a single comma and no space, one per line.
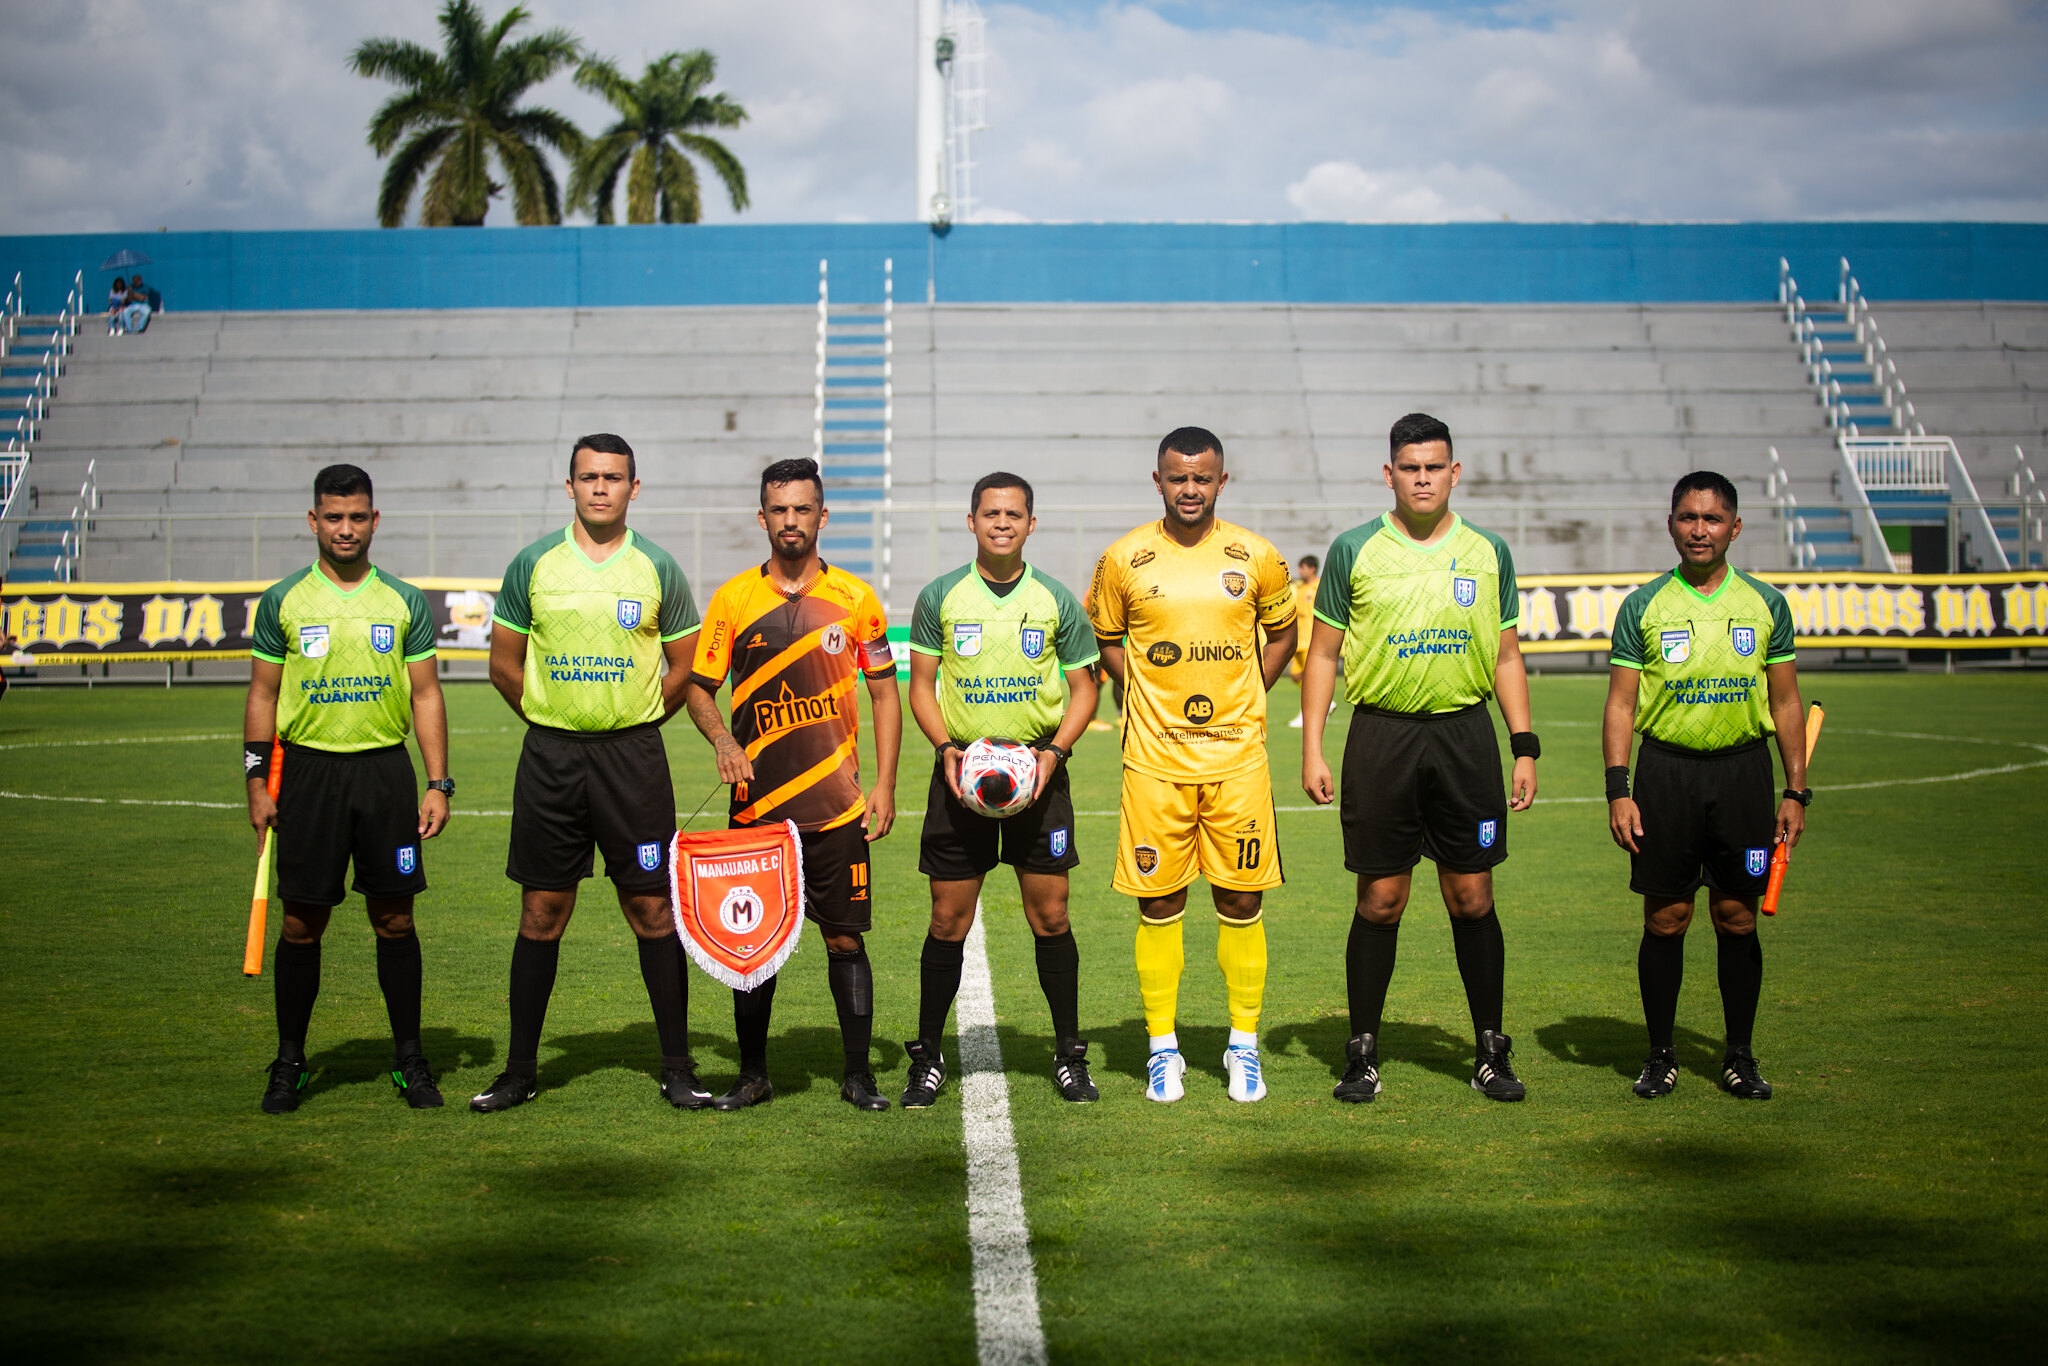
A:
255,759
1523,744
1617,782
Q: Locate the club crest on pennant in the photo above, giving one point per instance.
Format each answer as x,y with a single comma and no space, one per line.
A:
1489,831
1757,861
408,857
967,639
1234,582
650,855
1058,842
1676,646
629,612
1744,640
313,642
1464,591
738,899
382,638
1033,642
1147,859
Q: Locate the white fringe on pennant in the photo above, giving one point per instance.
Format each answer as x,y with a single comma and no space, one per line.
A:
717,971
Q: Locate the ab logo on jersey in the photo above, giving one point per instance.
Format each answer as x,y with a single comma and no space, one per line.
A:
1757,861
1464,591
408,858
313,642
1199,709
1234,582
1675,645
629,612
967,639
1058,842
1147,859
1033,642
382,638
650,856
1744,639
1489,831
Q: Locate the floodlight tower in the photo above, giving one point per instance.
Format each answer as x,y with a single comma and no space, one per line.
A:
952,104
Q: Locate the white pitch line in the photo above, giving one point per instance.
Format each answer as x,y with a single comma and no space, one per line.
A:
126,740
1006,1323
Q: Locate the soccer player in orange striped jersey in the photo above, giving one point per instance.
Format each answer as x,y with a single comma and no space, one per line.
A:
795,634
1196,617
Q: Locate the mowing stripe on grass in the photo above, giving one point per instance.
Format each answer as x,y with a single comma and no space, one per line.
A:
1006,1324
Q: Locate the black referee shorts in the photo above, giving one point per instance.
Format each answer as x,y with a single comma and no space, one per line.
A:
1708,820
958,844
334,807
1423,785
574,789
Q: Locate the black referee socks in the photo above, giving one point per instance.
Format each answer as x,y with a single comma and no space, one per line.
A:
1742,982
668,991
1368,968
853,991
1482,962
398,976
1660,968
296,982
1059,977
533,981
938,973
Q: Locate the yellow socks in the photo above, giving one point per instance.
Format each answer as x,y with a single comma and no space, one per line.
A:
1160,959
1241,953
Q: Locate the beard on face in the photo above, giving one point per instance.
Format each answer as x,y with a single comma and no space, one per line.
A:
788,550
340,556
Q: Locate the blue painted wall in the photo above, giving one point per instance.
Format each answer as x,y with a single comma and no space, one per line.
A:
1042,263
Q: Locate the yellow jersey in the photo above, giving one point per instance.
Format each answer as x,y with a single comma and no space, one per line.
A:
1189,618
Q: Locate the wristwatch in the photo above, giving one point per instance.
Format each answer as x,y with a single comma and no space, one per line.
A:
445,786
1065,754
1802,795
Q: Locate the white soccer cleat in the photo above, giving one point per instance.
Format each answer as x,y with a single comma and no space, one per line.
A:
1163,1071
1247,1078
1295,724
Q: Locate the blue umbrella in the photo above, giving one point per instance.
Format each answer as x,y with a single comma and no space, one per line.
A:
125,258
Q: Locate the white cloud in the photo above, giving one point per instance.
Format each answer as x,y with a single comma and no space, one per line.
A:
1345,192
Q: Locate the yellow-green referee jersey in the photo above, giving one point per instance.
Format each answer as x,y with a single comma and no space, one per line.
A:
593,660
344,653
1702,657
1002,657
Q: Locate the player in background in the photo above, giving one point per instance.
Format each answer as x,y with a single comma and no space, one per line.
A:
585,620
1421,606
1178,608
341,667
998,649
1702,666
1307,575
795,634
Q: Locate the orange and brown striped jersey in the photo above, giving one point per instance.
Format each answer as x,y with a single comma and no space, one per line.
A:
794,663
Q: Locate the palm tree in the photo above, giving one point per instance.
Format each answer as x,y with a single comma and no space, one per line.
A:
658,112
459,107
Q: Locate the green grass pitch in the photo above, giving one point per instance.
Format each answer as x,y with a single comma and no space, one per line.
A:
1887,1205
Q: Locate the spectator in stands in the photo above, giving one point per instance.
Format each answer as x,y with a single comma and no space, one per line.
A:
117,303
142,302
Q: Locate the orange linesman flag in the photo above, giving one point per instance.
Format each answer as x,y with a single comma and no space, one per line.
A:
739,900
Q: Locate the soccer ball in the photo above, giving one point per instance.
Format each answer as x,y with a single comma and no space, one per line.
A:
998,777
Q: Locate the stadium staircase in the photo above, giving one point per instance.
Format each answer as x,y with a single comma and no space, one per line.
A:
34,352
852,425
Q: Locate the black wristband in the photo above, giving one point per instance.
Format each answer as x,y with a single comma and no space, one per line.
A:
255,759
1617,782
1523,744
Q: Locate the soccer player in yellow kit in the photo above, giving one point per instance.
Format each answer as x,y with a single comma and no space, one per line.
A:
1178,607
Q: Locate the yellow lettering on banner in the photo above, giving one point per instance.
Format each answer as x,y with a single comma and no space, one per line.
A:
103,622
205,622
249,617
1977,612
25,621
1809,605
1911,611
1879,610
162,619
1948,610
2026,607
1585,612
1855,615
1539,614
64,622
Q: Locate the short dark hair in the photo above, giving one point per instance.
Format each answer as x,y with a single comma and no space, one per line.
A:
790,472
604,443
1189,441
1311,561
1418,429
1705,481
342,481
1001,479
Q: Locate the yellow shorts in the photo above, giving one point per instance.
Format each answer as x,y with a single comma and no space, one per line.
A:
1167,832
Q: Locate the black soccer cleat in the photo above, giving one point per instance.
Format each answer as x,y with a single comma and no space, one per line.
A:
1070,1074
748,1090
508,1090
1493,1076
287,1079
1361,1071
1660,1074
1740,1078
415,1081
859,1091
680,1087
927,1075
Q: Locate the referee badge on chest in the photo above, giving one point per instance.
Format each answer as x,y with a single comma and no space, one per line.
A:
313,642
1033,642
967,639
1675,646
629,612
1464,591
383,637
1744,640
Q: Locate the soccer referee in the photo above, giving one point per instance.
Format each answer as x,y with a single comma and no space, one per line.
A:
584,620
1423,607
1703,666
342,662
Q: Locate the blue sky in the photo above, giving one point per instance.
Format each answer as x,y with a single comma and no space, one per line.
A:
242,113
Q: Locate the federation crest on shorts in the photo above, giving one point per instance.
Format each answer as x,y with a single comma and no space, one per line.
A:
1489,831
1058,842
1147,859
650,855
1464,591
382,638
1234,582
1757,861
1033,642
966,638
313,642
408,858
629,612
1676,646
1744,640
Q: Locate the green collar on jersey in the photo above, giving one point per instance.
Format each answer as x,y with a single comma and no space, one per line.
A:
597,566
1016,584
1678,575
337,589
1406,539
